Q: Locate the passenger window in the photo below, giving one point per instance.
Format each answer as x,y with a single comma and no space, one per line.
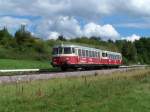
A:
90,53
67,50
110,56
79,52
60,50
99,54
93,54
73,50
96,54
120,57
87,53
104,54
83,53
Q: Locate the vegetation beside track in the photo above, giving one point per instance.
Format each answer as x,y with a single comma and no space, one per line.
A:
24,64
119,92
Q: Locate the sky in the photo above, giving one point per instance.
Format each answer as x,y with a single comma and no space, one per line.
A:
108,19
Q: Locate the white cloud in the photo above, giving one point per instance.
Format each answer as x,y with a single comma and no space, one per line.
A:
70,28
53,35
139,7
53,8
58,16
105,32
67,26
87,9
132,38
13,23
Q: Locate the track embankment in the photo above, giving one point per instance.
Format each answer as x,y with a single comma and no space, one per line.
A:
50,75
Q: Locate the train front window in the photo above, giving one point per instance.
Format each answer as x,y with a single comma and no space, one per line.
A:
67,50
104,54
73,50
60,50
55,51
63,50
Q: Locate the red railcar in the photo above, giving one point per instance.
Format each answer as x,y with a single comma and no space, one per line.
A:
74,56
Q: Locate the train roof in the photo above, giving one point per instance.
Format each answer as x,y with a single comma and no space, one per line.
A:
77,46
87,48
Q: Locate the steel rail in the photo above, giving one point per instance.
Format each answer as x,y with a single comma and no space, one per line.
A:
38,70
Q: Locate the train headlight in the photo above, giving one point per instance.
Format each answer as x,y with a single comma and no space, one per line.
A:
67,59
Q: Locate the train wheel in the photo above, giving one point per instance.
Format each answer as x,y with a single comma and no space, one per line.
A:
64,68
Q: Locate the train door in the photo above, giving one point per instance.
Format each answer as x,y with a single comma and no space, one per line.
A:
90,58
76,55
100,56
87,56
82,56
104,59
97,57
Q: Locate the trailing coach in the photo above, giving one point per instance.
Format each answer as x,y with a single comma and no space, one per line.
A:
74,57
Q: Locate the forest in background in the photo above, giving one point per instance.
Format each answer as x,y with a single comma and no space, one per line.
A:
23,45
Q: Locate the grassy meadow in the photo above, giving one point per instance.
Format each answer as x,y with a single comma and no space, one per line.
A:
24,64
119,92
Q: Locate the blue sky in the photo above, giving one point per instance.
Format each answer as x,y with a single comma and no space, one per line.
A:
121,24
108,19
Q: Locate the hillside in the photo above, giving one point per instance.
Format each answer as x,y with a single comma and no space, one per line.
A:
24,46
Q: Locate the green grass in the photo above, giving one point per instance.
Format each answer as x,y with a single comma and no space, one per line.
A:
120,92
23,64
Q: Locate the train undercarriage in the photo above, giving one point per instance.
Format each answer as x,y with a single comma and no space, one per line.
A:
66,67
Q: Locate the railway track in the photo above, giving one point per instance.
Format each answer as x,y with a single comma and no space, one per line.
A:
49,75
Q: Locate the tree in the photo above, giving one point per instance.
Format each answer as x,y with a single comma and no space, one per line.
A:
95,38
6,39
22,36
143,50
61,37
129,51
110,41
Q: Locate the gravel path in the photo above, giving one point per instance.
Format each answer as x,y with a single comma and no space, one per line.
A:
45,76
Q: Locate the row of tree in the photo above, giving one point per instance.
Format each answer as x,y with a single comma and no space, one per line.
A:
23,45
